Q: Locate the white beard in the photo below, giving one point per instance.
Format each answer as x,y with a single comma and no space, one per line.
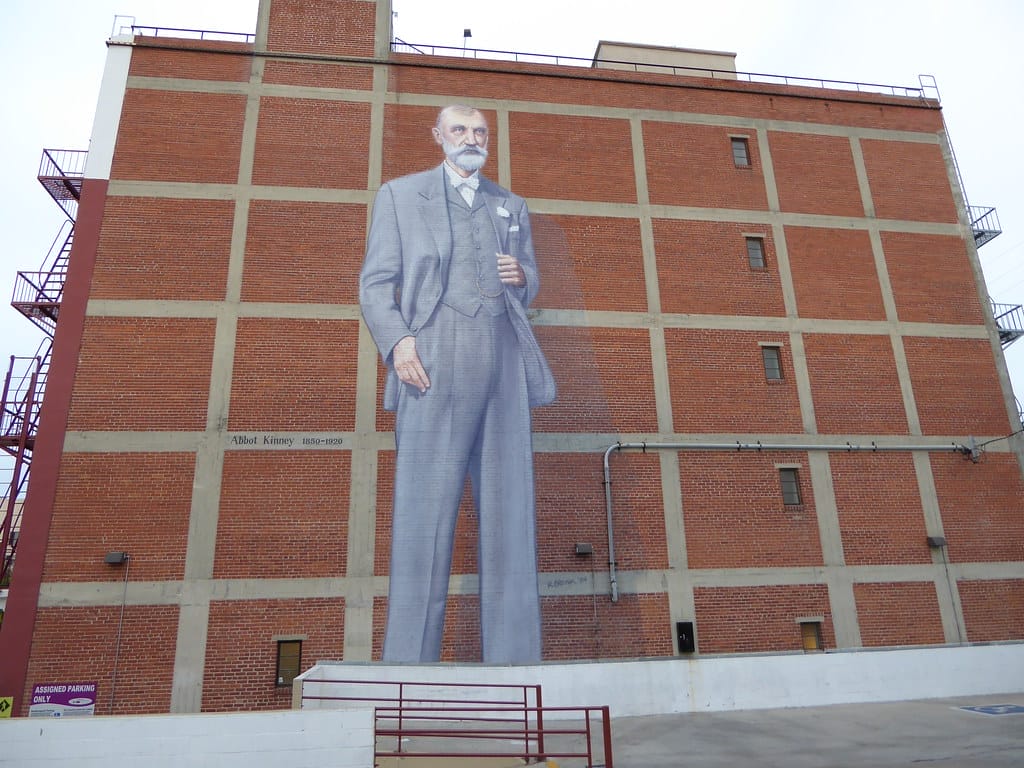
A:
468,159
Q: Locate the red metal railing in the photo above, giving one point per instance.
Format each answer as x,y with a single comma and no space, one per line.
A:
61,172
38,295
454,731
460,720
22,395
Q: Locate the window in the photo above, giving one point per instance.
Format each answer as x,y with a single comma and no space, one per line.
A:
810,636
789,479
741,152
289,661
755,252
772,357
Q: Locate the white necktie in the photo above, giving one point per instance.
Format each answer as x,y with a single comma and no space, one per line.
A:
467,187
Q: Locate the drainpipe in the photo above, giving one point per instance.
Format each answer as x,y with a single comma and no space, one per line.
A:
969,450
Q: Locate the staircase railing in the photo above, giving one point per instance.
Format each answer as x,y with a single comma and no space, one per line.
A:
37,295
1010,322
19,418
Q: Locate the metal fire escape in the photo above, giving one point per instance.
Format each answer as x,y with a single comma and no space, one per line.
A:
1009,317
37,295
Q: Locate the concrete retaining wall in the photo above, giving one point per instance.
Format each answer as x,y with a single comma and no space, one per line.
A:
246,740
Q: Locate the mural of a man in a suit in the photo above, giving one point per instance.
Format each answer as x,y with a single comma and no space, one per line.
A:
448,275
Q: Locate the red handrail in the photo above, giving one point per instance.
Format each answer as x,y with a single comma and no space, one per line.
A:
428,711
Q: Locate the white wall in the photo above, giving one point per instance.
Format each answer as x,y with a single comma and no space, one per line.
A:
247,740
724,683
318,736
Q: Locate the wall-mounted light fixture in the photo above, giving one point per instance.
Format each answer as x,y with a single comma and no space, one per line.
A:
119,557
583,549
936,542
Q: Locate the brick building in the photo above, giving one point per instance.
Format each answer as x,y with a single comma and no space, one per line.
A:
783,270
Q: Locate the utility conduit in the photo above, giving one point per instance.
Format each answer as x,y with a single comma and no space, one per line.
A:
969,450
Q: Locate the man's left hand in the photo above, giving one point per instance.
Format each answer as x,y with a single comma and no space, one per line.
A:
509,271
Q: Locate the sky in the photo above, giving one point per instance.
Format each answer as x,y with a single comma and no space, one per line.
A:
54,53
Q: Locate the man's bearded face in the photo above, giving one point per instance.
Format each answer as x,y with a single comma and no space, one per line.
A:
468,158
463,136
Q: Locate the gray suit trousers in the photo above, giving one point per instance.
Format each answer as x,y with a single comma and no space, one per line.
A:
474,420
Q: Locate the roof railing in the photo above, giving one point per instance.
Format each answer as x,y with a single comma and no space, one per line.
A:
401,46
125,25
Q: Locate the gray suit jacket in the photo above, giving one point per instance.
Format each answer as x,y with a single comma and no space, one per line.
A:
406,268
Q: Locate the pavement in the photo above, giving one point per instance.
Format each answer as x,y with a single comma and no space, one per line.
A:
934,733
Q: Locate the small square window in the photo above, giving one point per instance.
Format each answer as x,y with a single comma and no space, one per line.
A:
772,357
755,252
289,661
789,479
810,636
741,152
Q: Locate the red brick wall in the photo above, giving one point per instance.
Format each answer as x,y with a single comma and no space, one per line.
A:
543,83
931,278
718,383
956,387
605,380
326,75
179,136
593,627
692,165
288,375
834,274
155,248
855,385
704,269
322,27
908,181
311,143
241,653
592,155
133,502
589,262
79,644
993,610
460,641
815,174
571,508
880,515
982,507
898,614
142,373
209,59
283,514
759,619
317,268
734,514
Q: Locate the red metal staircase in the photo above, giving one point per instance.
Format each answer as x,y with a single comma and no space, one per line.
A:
37,295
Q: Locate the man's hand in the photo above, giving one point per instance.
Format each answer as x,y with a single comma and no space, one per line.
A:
408,366
509,271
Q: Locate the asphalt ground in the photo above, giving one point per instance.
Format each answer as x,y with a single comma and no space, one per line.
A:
933,733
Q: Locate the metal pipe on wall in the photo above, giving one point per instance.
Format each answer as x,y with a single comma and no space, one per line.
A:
969,449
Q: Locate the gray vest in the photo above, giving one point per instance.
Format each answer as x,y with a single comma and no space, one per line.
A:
473,270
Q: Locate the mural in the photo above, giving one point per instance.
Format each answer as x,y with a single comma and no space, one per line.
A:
448,276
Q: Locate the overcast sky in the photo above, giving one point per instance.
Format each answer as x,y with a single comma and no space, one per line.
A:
54,54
